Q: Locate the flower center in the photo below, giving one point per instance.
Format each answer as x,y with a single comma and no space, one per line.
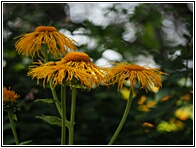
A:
77,56
45,28
134,67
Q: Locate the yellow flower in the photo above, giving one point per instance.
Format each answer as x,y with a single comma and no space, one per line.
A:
141,100
74,67
184,112
147,124
186,97
147,127
144,108
57,44
170,126
146,77
9,95
165,98
147,106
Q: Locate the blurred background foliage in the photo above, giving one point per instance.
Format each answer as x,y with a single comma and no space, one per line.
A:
158,34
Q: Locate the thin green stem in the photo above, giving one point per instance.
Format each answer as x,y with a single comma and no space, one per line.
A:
72,118
44,47
55,98
63,101
10,116
122,122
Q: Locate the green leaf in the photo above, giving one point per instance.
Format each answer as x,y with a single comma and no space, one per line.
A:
25,142
46,100
51,119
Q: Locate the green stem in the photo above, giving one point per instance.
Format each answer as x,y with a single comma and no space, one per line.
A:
122,122
73,106
55,98
44,47
10,116
63,101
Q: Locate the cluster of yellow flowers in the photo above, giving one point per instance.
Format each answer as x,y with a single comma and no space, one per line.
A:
76,70
76,67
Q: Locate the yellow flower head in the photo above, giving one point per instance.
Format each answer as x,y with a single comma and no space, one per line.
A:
56,43
9,95
74,67
145,76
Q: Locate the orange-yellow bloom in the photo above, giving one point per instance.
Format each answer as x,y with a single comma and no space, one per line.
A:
9,95
74,67
147,124
145,76
56,43
184,112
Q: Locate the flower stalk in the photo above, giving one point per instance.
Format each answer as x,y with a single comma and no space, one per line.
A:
63,106
10,116
122,122
72,118
55,98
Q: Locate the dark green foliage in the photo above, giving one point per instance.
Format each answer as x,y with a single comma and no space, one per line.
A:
99,110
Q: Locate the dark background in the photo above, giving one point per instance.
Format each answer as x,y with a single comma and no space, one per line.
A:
162,31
